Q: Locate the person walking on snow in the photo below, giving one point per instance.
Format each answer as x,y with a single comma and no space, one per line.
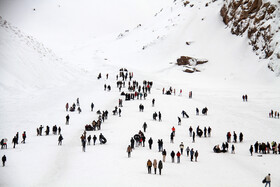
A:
159,116
173,130
267,180
155,166
160,166
150,142
23,137
178,157
94,138
4,159
163,155
190,130
192,153
92,106
145,126
251,150
88,139
181,148
188,151
179,121
172,154
196,155
67,119
129,150
149,165
60,138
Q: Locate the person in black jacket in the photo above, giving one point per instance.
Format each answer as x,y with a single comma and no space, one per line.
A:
172,154
163,155
60,138
94,138
150,142
4,159
132,141
160,166
145,126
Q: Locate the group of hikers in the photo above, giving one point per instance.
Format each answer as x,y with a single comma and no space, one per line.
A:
265,148
234,137
245,98
155,165
15,140
171,91
273,114
87,140
225,147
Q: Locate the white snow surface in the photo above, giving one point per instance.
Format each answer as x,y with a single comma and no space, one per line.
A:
52,55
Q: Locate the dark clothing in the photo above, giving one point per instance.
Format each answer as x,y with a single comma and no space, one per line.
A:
4,159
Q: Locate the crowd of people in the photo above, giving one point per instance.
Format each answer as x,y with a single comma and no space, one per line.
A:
139,92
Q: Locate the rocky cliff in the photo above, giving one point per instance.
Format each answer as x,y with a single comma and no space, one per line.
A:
259,20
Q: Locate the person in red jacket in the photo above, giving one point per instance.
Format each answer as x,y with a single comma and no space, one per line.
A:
173,130
178,156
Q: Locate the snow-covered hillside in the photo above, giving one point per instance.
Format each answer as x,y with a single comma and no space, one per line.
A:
51,53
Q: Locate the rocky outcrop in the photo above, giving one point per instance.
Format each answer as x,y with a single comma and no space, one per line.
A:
260,21
190,63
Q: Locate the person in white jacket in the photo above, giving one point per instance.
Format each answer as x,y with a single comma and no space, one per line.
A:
267,180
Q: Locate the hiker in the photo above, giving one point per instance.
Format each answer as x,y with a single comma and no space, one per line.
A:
251,150
145,126
267,180
232,149
155,166
14,141
67,107
192,153
173,130
193,137
4,159
188,151
240,137
84,144
149,165
178,157
172,154
190,130
181,148
60,138
159,116
94,138
92,106
196,155
179,121
88,139
153,102
163,155
23,137
150,142
129,150
160,166
209,131
172,137
67,119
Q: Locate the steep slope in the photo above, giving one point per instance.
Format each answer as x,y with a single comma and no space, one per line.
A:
259,21
27,64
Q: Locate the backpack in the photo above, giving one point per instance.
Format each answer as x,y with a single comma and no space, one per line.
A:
264,180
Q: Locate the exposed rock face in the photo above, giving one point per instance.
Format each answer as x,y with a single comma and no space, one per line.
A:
190,63
260,21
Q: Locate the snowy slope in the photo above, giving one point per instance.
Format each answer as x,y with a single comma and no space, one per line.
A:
32,98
